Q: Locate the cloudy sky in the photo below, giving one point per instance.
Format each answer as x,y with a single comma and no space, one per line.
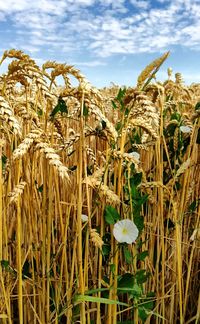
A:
109,40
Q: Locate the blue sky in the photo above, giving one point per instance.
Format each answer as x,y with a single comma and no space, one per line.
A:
108,40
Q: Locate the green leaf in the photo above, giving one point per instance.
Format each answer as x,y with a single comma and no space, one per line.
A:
142,313
139,222
127,255
141,201
136,195
85,110
60,107
85,298
106,279
113,104
142,276
111,215
5,264
176,116
148,303
137,138
177,185
136,291
137,198
39,112
141,256
4,160
125,281
194,205
40,189
106,248
136,180
112,268
158,315
107,237
55,111
126,112
118,126
121,94
197,107
94,291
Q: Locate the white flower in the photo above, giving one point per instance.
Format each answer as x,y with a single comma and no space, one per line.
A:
136,155
185,129
84,218
125,231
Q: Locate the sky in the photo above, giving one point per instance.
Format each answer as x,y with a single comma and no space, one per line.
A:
108,40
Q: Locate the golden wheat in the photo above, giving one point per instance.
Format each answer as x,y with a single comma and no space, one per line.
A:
108,159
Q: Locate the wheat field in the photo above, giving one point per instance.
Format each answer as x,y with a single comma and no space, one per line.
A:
75,162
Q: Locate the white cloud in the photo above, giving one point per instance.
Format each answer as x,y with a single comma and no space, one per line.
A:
2,16
39,61
30,49
48,6
143,4
90,63
102,27
191,77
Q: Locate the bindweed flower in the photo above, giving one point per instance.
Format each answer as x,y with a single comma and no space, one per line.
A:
136,155
84,218
125,231
185,129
